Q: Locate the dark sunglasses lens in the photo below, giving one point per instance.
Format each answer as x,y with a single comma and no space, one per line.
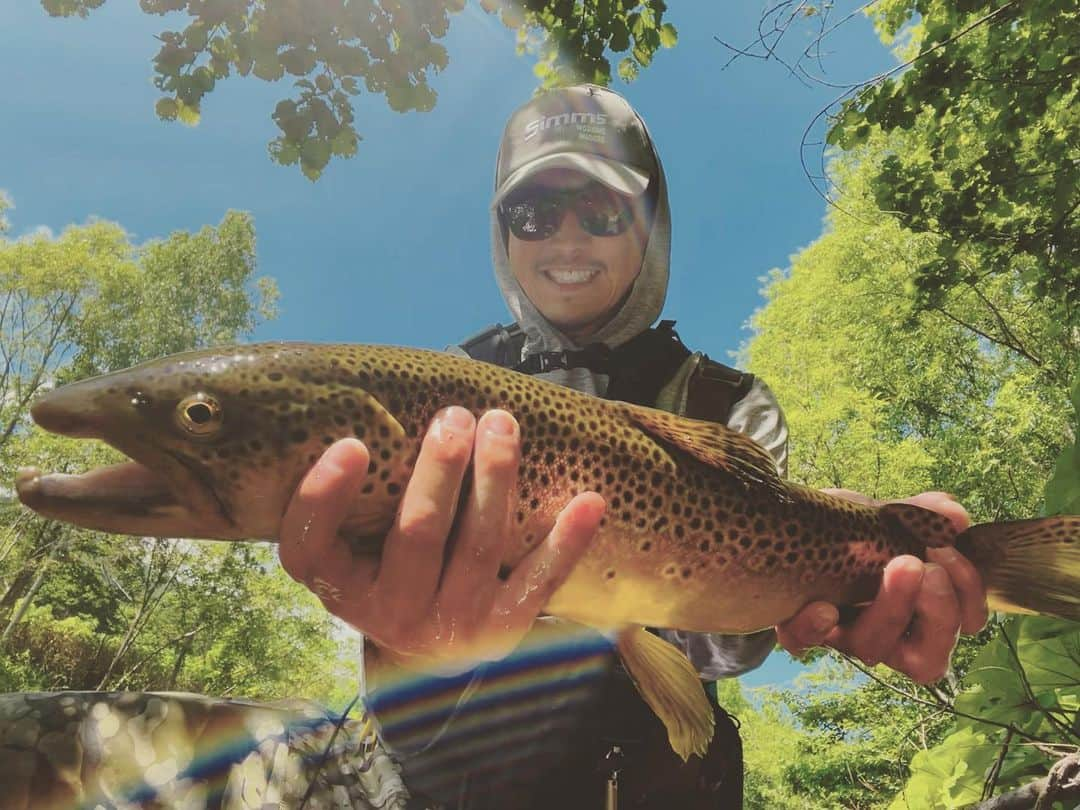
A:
533,214
602,212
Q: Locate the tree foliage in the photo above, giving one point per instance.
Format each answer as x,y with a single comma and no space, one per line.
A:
1021,703
84,610
889,393
332,48
969,396
993,92
975,149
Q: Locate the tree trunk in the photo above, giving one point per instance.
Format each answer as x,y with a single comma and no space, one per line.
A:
155,587
23,606
20,589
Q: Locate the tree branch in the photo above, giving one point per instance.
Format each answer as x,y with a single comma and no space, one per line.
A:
959,322
1010,336
923,702
1061,726
1062,784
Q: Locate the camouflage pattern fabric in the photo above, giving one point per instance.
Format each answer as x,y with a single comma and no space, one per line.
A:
165,750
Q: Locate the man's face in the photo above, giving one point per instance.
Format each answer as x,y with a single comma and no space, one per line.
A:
576,280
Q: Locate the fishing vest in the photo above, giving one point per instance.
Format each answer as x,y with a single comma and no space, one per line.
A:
625,750
654,368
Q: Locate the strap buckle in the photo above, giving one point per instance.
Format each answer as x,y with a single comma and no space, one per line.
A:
548,361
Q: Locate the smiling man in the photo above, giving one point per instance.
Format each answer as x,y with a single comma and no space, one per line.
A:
576,281
504,709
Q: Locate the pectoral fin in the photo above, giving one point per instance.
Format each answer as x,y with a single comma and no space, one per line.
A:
671,687
374,508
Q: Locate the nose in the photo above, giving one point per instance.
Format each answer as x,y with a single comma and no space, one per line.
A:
570,229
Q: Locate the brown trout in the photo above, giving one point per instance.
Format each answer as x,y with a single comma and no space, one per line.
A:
700,533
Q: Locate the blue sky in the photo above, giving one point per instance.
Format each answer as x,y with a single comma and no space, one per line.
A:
392,246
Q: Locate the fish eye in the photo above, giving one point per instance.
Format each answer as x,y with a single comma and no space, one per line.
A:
200,414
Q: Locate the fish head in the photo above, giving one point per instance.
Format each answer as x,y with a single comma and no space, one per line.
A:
217,439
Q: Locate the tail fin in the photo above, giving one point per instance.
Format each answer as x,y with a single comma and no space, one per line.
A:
1028,566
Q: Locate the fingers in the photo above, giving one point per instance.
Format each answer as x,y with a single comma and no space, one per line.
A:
924,654
945,504
471,578
544,569
852,495
412,558
914,621
969,587
309,546
309,527
882,625
807,628
416,600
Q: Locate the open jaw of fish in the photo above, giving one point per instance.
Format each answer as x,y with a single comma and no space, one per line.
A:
156,493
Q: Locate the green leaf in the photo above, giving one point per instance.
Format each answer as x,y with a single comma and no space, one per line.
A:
344,143
196,36
315,152
187,114
167,108
669,37
1063,490
204,77
620,36
285,152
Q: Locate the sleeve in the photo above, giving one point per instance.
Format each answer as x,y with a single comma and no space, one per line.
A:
714,655
758,415
717,656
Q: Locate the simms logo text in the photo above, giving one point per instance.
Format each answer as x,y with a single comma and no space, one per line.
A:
534,128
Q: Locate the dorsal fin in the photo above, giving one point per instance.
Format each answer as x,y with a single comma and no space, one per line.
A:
712,444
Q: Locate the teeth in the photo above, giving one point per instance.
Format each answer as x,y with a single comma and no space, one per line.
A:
575,276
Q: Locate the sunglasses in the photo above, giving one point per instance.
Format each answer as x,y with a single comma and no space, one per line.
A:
536,212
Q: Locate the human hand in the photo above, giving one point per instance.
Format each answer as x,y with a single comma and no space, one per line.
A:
434,598
914,621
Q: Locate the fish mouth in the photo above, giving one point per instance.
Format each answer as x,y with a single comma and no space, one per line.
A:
129,487
128,498
157,492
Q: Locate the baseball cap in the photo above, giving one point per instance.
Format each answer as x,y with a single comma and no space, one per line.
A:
587,128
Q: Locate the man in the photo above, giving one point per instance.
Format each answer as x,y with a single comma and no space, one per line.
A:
581,243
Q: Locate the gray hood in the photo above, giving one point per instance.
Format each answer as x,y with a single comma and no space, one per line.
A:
641,310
